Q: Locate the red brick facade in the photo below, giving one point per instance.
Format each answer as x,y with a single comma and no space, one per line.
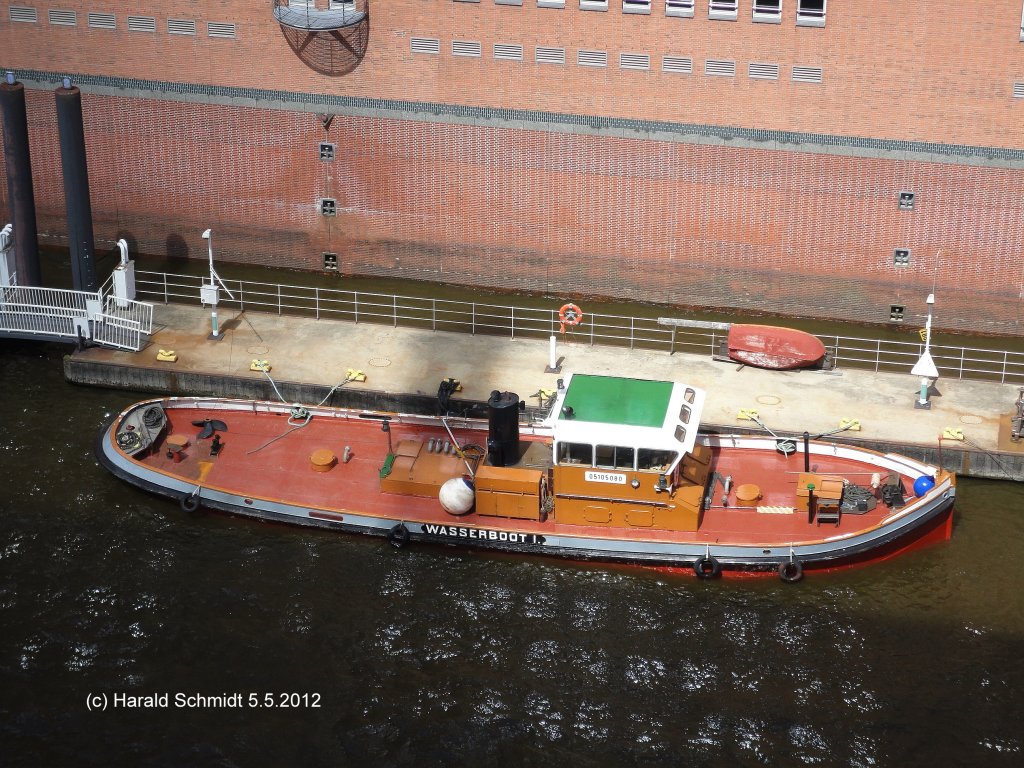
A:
783,222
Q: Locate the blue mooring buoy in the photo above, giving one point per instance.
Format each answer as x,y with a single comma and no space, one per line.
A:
923,484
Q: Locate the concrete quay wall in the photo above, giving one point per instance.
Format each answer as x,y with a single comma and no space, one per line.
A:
954,456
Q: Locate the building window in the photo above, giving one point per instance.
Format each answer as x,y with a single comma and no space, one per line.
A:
640,61
906,201
677,65
761,71
549,55
897,312
429,45
328,207
141,24
181,27
469,48
810,13
1022,25
331,262
593,5
768,11
219,29
326,150
508,52
807,74
719,68
679,8
63,18
551,3
636,6
722,9
102,21
901,257
591,58
1018,90
23,14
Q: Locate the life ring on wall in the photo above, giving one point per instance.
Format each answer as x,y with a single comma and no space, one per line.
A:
791,571
707,568
569,314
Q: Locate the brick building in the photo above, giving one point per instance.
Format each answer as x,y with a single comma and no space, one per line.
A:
802,157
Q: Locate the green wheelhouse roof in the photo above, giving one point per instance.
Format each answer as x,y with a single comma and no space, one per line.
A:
612,400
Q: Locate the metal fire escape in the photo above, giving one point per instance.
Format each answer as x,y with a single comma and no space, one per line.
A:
320,15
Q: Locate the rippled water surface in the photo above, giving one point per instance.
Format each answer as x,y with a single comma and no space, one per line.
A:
436,656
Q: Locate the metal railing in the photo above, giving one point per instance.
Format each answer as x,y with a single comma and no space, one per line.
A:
61,314
633,332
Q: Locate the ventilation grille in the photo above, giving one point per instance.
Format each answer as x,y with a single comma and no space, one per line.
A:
141,24
508,52
63,18
23,14
1018,90
634,61
807,74
425,45
102,21
763,71
549,55
181,27
679,65
720,68
592,58
466,48
220,29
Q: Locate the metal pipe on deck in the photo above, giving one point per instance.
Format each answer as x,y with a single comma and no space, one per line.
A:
76,187
20,195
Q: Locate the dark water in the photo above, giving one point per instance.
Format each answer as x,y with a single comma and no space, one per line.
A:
436,657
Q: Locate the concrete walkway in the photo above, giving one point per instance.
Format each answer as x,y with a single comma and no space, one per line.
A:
412,361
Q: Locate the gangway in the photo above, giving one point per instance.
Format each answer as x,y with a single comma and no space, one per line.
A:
107,317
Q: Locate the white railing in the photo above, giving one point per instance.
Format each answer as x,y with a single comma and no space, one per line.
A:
1000,365
60,314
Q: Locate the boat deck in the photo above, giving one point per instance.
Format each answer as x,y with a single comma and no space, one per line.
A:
262,455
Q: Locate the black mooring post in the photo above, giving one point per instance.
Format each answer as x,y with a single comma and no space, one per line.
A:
807,451
76,187
20,195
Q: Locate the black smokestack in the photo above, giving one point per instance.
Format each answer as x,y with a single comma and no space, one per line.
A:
20,195
76,187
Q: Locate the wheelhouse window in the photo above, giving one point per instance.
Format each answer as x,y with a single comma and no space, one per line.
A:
654,461
810,13
576,453
722,9
679,8
767,11
614,457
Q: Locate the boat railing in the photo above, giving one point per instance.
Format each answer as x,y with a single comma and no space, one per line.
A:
515,321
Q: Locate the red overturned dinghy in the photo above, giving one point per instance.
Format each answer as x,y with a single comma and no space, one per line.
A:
617,470
769,346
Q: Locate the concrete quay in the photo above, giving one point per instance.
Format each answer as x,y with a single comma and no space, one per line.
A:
404,367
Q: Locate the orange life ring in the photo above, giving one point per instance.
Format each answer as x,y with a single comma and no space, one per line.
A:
569,314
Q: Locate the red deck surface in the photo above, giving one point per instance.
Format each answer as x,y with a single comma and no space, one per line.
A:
281,471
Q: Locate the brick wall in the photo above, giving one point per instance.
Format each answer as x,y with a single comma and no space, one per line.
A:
804,229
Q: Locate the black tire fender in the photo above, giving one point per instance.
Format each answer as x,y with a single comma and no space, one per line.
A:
398,536
189,503
707,568
791,571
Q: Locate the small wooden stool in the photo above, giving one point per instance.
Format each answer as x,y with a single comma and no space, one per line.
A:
176,445
322,460
747,495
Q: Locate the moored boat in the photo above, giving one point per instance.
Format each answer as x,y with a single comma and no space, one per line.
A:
617,470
